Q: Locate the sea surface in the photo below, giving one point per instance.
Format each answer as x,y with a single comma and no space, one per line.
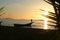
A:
37,23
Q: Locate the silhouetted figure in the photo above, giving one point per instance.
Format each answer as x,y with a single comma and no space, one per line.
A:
31,20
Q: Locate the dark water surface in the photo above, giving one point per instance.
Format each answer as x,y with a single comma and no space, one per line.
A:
37,23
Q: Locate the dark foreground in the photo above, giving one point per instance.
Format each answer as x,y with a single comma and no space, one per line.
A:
10,33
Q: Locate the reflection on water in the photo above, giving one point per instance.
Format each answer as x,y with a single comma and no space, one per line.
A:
45,24
37,23
40,27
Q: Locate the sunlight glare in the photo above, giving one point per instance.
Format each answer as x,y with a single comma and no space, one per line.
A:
45,13
45,20
45,24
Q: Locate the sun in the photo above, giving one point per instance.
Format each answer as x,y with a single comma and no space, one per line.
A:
45,13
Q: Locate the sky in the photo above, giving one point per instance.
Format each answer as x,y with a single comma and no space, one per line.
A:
25,9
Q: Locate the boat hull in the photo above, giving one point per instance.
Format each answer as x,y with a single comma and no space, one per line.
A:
19,25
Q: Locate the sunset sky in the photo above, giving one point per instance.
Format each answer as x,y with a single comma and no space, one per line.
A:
25,9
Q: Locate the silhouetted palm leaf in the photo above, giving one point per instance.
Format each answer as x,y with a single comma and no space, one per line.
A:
56,17
51,15
52,22
50,2
2,14
52,25
2,11
53,18
2,8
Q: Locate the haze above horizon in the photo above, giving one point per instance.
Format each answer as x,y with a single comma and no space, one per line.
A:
25,9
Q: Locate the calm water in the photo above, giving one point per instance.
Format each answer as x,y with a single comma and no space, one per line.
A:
37,23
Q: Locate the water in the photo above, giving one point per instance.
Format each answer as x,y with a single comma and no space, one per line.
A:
37,23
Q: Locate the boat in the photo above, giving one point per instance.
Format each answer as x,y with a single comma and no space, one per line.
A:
17,25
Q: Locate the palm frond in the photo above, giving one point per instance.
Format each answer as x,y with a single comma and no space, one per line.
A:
56,16
1,8
50,13
52,22
2,11
2,14
52,25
